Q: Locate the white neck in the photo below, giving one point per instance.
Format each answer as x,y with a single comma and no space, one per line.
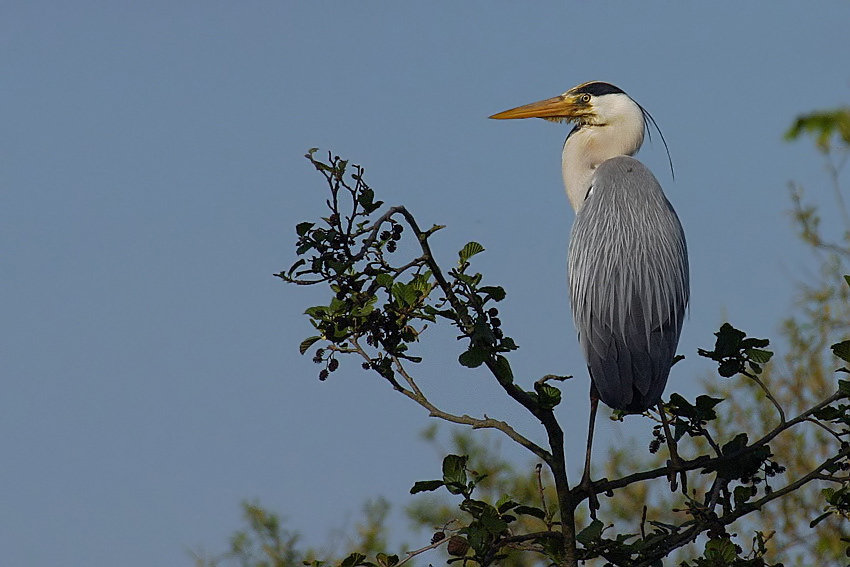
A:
617,130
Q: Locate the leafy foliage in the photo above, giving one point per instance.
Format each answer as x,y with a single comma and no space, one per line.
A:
384,298
380,306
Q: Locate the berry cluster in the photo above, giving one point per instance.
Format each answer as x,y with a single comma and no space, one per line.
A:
331,363
391,238
657,439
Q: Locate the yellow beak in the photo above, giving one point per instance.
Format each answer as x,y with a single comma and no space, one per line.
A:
560,107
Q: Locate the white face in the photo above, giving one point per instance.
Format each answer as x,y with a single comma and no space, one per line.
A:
616,109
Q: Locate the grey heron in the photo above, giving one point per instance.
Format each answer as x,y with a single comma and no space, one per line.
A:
628,261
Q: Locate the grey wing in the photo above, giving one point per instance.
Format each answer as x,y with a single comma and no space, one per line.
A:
628,284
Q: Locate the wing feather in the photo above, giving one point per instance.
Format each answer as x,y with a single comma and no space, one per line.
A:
629,284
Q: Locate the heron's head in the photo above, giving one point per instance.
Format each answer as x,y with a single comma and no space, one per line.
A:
594,107
589,104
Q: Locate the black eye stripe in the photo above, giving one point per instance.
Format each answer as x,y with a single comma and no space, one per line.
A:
599,89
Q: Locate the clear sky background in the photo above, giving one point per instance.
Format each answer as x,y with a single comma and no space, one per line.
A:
151,174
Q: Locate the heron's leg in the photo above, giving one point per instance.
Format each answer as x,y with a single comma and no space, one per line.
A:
675,462
586,484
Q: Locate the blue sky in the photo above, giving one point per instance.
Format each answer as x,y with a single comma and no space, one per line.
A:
152,176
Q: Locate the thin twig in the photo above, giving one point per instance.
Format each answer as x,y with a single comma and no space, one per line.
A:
769,395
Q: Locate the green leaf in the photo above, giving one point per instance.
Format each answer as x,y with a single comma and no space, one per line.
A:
743,493
844,387
682,407
492,522
496,293
819,519
303,227
758,355
473,358
505,504
728,340
307,343
729,368
720,550
404,293
827,413
354,560
847,279
385,560
821,125
469,250
454,469
384,280
366,197
707,402
530,511
842,350
426,486
421,282
317,312
548,396
590,533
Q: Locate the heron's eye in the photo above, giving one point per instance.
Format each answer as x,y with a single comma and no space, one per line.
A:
584,98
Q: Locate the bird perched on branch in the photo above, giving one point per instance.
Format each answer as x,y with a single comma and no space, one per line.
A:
628,261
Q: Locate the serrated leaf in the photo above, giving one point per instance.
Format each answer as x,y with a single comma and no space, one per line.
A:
426,486
759,355
492,522
469,250
454,469
842,350
720,550
404,293
307,343
548,396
